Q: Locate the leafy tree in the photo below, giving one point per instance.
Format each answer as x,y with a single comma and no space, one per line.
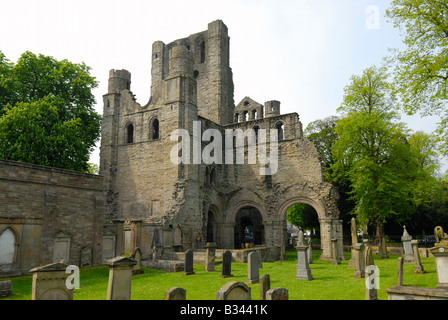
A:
46,112
421,70
303,216
372,151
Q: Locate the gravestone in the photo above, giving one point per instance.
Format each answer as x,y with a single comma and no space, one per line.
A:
176,294
440,252
418,262
277,294
303,271
109,240
188,266
120,276
265,285
210,257
383,254
49,283
226,265
408,253
252,268
310,251
5,288
354,233
372,279
369,261
234,290
86,257
400,271
359,261
334,252
137,256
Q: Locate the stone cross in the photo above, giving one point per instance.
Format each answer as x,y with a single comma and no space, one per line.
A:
120,276
408,254
252,268
418,262
303,271
226,265
210,257
265,285
188,266
234,291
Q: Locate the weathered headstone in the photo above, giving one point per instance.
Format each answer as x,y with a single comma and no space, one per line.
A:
120,276
265,285
418,262
368,254
49,283
234,290
310,251
400,271
137,256
359,261
303,271
86,257
408,253
252,268
277,294
226,265
354,233
5,288
188,266
210,257
176,294
334,252
383,254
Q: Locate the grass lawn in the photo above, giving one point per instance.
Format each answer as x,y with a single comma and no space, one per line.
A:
330,282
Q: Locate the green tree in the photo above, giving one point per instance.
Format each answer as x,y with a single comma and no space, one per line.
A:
46,112
421,69
303,216
372,151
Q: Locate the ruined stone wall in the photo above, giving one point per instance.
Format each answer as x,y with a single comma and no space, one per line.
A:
39,204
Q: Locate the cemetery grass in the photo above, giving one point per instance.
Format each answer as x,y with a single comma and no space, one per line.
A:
330,282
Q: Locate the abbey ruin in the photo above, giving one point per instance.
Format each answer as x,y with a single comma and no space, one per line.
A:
142,199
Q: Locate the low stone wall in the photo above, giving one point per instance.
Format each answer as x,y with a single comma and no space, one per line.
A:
415,293
165,265
268,254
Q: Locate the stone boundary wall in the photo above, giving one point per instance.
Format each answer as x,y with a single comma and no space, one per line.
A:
49,213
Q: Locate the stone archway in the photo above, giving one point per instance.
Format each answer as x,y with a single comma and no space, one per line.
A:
330,225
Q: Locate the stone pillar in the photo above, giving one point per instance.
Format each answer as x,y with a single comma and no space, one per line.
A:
210,257
136,234
400,272
440,252
334,252
50,283
354,233
265,285
330,229
120,276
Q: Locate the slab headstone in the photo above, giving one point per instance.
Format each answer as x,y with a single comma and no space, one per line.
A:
86,257
303,271
359,261
408,252
252,268
383,254
354,234
334,252
188,266
176,294
368,254
137,256
400,271
5,288
418,268
120,276
210,257
234,290
49,283
226,264
277,294
310,251
265,285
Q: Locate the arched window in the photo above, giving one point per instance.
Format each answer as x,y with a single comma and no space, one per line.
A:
245,116
213,177
280,129
202,52
256,128
155,129
237,117
130,133
254,114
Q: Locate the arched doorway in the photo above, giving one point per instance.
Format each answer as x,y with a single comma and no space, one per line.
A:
249,227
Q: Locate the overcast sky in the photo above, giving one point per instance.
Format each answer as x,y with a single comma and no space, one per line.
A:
300,52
